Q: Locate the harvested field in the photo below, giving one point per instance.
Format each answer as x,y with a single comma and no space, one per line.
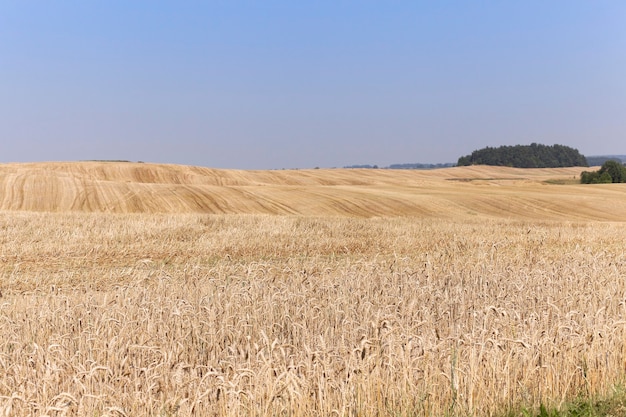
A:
456,292
117,187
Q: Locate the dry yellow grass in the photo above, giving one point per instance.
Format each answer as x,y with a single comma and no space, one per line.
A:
450,193
202,314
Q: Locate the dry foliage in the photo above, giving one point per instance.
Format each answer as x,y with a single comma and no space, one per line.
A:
189,314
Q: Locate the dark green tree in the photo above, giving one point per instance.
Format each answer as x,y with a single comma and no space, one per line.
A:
616,170
610,172
520,156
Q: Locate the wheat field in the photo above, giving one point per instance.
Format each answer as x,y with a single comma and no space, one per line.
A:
119,187
369,294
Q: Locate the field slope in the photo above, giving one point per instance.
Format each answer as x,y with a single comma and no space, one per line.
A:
125,187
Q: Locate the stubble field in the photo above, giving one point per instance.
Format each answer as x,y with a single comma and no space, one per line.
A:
472,308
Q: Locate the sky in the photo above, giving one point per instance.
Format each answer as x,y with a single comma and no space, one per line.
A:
303,84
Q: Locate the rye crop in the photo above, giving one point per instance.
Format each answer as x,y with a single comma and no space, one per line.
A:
181,315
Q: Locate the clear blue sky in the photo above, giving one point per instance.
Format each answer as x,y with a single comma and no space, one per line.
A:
281,84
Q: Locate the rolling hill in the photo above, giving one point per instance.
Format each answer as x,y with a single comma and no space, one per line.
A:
126,187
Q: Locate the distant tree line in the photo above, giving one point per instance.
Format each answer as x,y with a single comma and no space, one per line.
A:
109,160
526,156
404,166
363,166
421,166
596,161
610,172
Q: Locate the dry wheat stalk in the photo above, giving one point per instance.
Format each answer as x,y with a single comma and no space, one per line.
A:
258,315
